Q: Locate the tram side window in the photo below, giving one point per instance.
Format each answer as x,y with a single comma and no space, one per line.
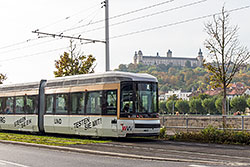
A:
20,105
62,104
94,103
77,103
1,105
49,104
110,107
31,104
9,105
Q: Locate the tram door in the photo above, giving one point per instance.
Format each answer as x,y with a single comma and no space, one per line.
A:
56,117
110,110
61,118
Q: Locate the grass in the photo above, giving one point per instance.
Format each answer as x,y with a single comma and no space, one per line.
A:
48,140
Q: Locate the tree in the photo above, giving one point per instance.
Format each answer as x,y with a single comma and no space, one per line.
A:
74,63
226,54
218,104
151,69
248,102
238,104
172,71
173,97
201,96
188,64
2,78
196,106
171,106
162,107
162,67
123,67
209,105
182,106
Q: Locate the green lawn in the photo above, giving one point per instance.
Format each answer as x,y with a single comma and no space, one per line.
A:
48,140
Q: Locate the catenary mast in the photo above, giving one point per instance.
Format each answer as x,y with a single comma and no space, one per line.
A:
107,34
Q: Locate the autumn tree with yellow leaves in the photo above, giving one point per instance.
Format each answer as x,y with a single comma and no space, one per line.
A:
2,78
74,62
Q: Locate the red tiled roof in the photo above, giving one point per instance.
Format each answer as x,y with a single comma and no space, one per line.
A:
237,91
233,89
213,92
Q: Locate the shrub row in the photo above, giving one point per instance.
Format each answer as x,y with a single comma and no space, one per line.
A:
212,135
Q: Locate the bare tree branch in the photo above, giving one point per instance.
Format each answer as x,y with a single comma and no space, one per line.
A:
227,55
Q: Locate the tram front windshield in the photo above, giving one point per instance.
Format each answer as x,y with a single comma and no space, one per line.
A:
139,99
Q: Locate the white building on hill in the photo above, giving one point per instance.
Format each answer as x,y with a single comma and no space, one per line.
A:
178,93
168,59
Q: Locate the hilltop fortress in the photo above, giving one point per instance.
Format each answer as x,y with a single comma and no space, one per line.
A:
168,59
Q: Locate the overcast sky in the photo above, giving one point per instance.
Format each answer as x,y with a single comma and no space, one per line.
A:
24,57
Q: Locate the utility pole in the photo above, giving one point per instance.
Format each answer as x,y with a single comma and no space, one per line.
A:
107,34
173,107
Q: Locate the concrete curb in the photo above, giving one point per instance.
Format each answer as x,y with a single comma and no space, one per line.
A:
122,155
225,146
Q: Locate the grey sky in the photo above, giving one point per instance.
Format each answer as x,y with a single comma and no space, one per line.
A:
19,18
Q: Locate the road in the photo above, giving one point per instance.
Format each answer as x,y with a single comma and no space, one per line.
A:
23,156
206,154
191,155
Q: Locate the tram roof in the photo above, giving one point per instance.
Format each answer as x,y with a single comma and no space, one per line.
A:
19,86
114,74
106,77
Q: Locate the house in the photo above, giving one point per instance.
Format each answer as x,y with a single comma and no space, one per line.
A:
233,90
178,93
238,92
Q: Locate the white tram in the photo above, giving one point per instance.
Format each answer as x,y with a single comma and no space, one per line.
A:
111,104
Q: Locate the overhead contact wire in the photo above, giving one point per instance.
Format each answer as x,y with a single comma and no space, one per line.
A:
176,23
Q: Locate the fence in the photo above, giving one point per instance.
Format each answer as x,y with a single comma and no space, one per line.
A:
194,123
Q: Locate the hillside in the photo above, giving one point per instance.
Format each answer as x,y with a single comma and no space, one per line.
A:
185,78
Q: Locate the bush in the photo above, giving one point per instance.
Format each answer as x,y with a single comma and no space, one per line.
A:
214,135
211,134
163,132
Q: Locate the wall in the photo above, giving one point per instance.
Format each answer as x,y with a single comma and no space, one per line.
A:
199,122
